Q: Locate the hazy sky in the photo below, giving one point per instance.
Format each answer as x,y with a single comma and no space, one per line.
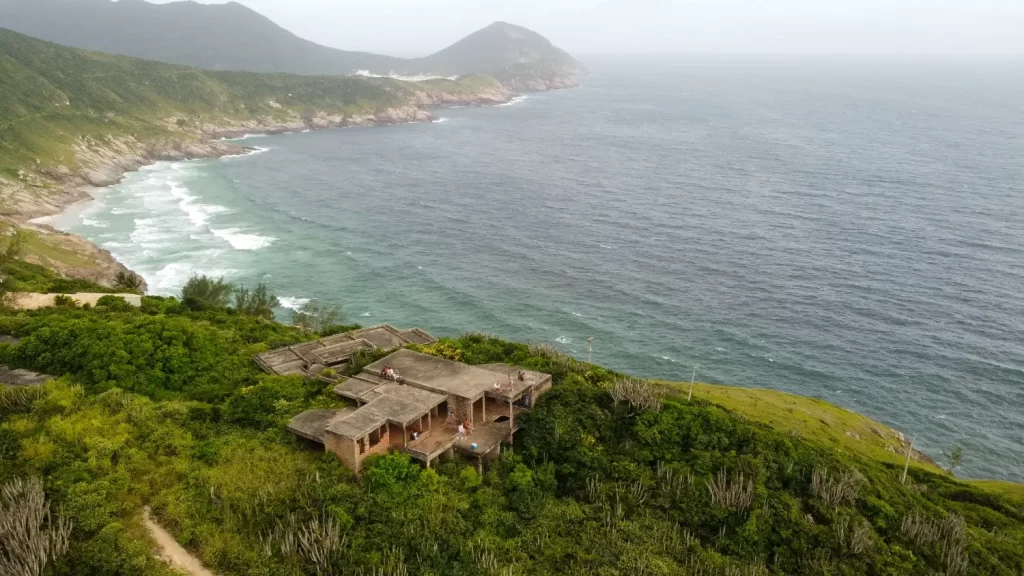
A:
417,27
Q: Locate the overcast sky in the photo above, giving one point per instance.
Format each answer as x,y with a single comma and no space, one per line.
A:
418,27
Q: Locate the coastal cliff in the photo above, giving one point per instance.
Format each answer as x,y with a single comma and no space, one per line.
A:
64,137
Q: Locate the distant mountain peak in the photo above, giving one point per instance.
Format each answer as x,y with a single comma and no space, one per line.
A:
233,36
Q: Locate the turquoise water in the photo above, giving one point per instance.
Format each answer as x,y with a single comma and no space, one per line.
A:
847,232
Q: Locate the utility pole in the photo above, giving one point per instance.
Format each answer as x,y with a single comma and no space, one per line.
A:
692,378
910,450
590,350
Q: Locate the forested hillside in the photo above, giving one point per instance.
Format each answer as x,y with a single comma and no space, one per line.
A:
53,98
234,37
164,407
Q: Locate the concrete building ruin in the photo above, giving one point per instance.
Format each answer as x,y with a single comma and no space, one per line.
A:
420,413
309,358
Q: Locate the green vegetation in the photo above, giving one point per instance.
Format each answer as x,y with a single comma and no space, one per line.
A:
26,277
164,406
17,275
202,293
129,282
319,317
53,97
827,424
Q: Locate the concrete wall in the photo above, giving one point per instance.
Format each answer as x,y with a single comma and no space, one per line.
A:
31,301
538,391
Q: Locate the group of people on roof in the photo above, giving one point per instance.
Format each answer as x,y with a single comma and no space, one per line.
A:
500,389
389,373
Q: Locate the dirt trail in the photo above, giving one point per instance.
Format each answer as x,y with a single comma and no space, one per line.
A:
172,552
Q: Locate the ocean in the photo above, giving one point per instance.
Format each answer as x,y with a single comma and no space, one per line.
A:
848,230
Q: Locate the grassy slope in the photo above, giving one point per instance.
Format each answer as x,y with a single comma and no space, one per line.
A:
810,418
827,424
51,95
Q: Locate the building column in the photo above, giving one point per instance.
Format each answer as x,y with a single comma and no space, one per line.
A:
483,408
510,426
405,437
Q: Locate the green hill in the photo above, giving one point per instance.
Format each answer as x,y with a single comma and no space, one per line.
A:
233,37
70,119
164,407
51,97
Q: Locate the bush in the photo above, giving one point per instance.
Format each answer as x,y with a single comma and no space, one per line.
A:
258,303
202,293
265,405
64,301
114,304
129,281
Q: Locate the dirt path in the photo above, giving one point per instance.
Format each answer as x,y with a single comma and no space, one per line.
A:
172,552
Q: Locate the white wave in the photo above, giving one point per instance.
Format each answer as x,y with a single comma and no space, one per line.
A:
441,120
292,303
198,214
256,150
563,340
514,101
95,223
606,247
244,137
116,211
410,78
669,359
575,313
149,231
242,241
365,315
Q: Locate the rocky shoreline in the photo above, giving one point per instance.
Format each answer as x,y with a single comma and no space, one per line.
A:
105,161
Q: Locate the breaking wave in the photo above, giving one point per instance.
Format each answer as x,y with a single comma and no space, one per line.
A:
292,303
243,241
406,78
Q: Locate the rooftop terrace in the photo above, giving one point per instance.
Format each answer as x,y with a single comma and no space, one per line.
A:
337,349
440,375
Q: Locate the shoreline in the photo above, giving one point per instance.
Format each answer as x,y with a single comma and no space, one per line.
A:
103,167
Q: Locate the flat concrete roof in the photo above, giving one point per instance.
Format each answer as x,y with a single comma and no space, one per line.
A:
383,336
312,423
357,424
403,404
398,404
338,348
439,375
531,378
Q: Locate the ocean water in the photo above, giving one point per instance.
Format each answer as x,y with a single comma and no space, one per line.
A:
849,231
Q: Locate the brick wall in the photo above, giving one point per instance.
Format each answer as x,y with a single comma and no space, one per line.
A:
346,449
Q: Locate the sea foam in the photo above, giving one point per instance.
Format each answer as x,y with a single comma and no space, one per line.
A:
243,241
292,303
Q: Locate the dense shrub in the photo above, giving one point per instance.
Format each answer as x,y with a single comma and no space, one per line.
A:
175,415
